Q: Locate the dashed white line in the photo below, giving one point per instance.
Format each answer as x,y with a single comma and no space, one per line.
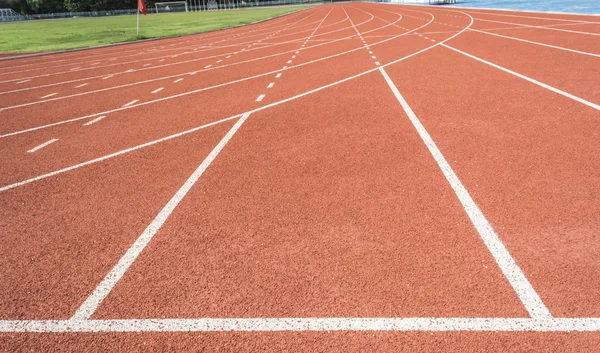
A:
107,77
81,85
377,63
228,56
373,57
49,95
131,103
76,68
158,90
18,83
146,65
207,66
218,61
293,56
178,80
278,75
42,145
94,120
271,85
289,62
260,98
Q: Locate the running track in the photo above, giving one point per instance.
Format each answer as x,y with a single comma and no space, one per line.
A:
355,176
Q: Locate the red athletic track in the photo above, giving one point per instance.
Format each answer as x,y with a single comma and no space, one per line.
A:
326,202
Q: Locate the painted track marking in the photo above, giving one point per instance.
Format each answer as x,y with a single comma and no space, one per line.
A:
541,84
260,98
158,90
505,261
89,306
42,145
131,103
94,120
49,95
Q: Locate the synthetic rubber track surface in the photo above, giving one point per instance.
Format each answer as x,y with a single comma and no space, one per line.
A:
351,177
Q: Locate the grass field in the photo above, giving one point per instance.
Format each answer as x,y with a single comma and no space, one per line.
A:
37,36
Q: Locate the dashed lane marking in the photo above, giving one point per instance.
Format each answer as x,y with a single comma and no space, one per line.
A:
158,90
271,85
131,103
94,120
42,145
49,95
260,98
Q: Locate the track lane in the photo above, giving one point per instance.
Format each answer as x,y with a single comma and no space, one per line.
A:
538,200
291,251
60,235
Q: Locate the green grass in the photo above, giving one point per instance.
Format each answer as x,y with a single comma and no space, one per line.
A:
37,36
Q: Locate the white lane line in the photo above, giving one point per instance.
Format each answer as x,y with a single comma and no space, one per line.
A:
115,154
178,80
131,103
541,84
145,65
297,52
218,61
373,57
161,60
246,79
377,63
293,56
260,98
87,309
271,85
505,261
228,56
81,85
418,324
207,66
158,90
76,68
289,62
42,145
538,43
18,83
94,120
130,70
49,95
107,77
267,106
278,75
370,52
255,59
541,27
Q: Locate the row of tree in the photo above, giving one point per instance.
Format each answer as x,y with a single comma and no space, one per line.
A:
27,7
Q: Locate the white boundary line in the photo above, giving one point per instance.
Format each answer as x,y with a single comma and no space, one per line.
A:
505,261
541,27
541,84
60,171
214,86
89,306
305,324
537,43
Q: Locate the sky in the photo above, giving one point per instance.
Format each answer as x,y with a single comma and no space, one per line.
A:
574,6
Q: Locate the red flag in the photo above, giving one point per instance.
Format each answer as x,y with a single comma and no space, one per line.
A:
142,7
